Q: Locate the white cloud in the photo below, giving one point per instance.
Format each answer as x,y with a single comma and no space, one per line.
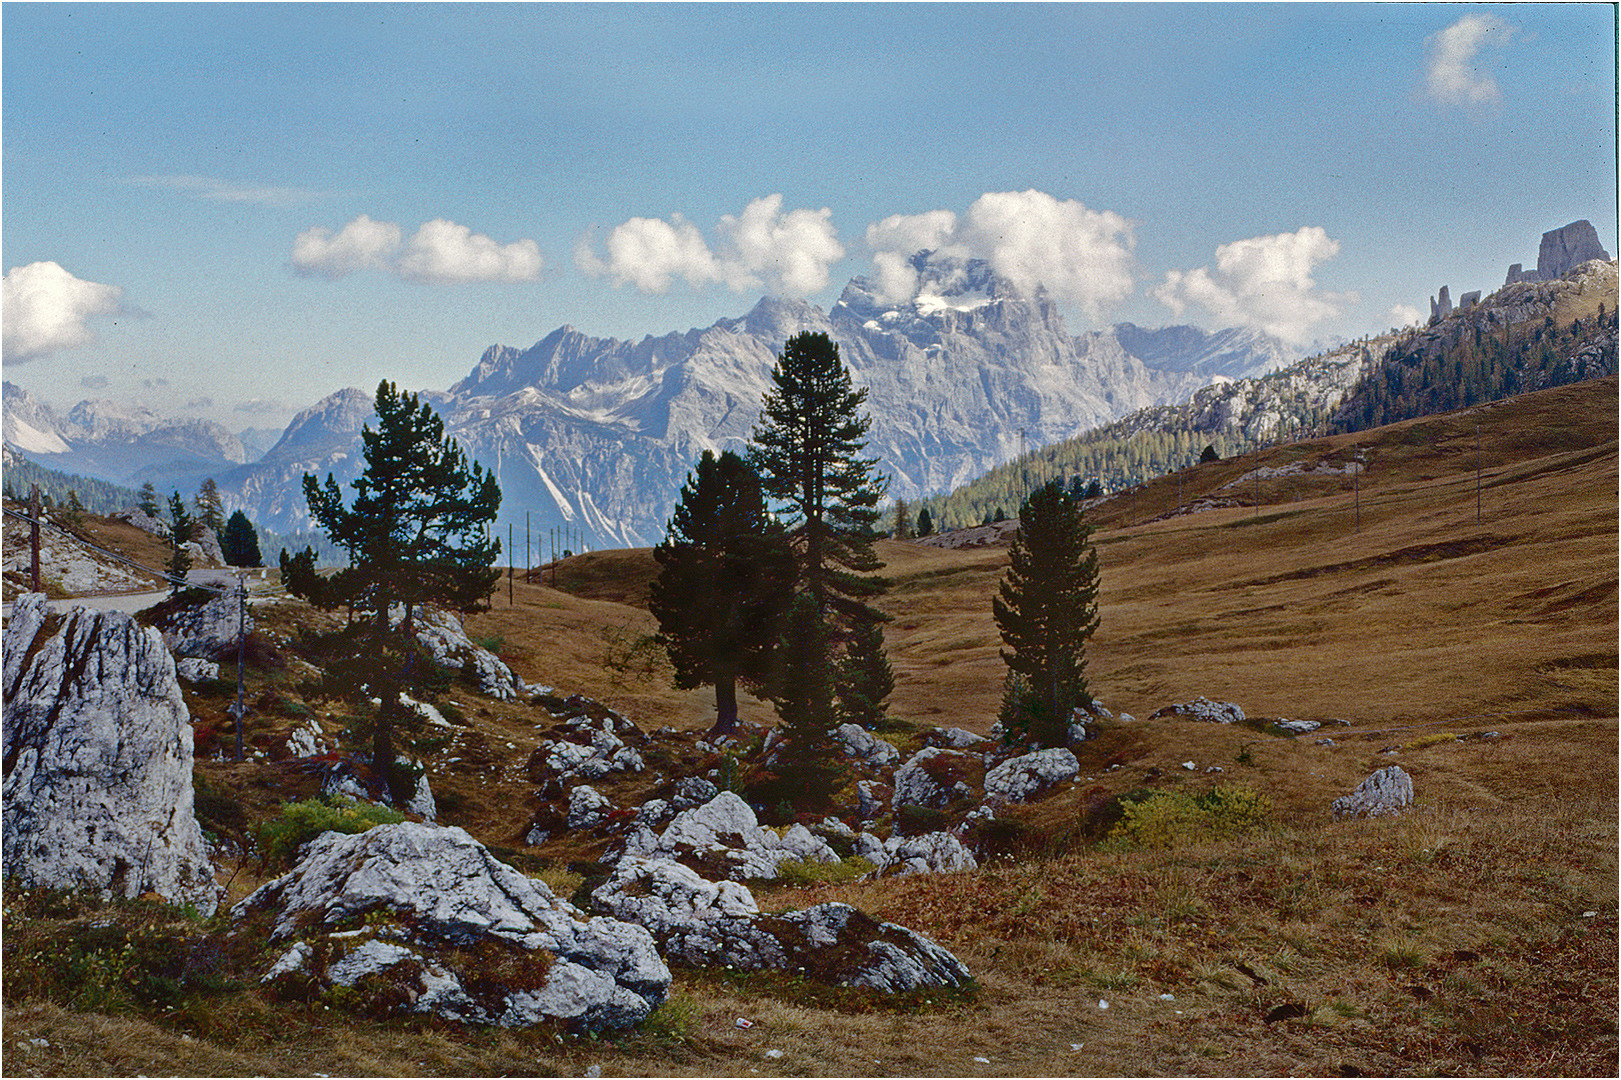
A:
650,252
896,239
791,252
361,244
1452,68
260,407
215,190
786,252
1264,282
1405,315
1083,257
441,252
44,308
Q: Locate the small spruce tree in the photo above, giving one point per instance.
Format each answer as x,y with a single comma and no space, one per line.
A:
865,678
181,526
1046,611
925,522
240,542
149,500
210,509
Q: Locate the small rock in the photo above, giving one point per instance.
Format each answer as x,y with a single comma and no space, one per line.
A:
1102,1004
983,1060
1387,791
1324,742
1190,766
1203,709
773,1054
1167,997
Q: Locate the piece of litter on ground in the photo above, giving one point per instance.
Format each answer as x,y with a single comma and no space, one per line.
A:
1179,1012
1102,1004
39,1042
742,1023
983,1061
1188,765
1076,1046
595,1070
1167,997
773,1054
1589,914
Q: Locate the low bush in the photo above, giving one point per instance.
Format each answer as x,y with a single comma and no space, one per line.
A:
1174,818
800,875
281,836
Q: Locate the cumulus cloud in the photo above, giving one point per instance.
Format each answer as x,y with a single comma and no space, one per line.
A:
650,253
1453,64
788,252
43,308
1083,257
897,238
204,402
441,252
259,407
1264,282
1405,315
94,382
359,245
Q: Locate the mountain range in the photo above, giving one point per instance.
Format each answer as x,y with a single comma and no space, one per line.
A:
598,434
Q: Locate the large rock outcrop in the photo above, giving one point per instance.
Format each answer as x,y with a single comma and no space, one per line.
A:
446,641
1386,791
706,924
1563,249
98,759
423,918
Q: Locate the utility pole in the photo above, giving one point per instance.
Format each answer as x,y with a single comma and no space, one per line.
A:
1477,474
527,562
241,643
1356,483
510,561
33,535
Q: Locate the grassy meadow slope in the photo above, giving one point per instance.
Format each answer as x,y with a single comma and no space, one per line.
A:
1476,934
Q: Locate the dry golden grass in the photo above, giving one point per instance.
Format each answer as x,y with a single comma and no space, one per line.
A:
1456,938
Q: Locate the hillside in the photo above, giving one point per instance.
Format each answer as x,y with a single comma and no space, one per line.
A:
1475,934
1529,335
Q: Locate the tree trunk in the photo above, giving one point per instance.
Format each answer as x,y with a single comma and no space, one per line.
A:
725,705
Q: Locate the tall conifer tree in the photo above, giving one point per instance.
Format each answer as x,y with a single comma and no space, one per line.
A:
418,532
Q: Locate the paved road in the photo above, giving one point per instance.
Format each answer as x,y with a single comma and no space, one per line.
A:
133,602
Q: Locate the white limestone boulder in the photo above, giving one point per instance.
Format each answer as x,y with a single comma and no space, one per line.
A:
98,753
1387,791
863,747
704,924
424,917
1021,778
1204,710
723,840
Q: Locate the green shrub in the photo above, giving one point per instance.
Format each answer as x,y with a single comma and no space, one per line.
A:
1173,818
298,823
801,875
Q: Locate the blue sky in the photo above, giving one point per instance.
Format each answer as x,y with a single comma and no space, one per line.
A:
232,211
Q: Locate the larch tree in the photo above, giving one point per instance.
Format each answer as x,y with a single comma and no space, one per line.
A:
416,533
210,508
1046,610
724,574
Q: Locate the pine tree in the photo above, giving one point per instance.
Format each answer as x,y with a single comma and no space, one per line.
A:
804,701
903,521
181,526
417,533
724,572
149,500
925,522
806,449
1047,610
75,508
210,510
240,542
